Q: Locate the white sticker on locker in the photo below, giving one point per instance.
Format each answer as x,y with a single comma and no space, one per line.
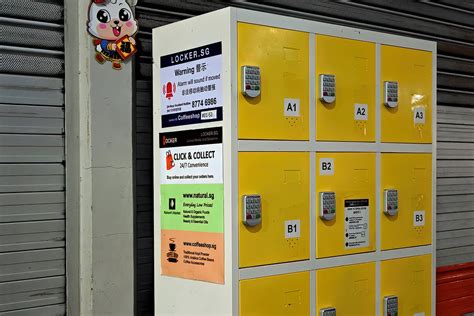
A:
356,223
419,218
419,115
209,115
291,107
419,314
326,166
361,112
292,228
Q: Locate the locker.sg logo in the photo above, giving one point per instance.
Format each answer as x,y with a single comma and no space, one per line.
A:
167,141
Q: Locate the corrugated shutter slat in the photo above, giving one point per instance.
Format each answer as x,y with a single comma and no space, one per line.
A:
32,187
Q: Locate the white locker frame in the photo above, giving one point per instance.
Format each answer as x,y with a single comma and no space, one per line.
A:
182,296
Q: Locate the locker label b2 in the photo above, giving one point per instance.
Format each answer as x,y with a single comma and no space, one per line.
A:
326,166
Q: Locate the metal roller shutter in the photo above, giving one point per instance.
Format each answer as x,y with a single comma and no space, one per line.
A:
32,201
144,164
449,23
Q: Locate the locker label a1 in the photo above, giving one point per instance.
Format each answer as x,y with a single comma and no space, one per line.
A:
291,107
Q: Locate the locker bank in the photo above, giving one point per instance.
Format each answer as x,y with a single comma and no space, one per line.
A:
294,168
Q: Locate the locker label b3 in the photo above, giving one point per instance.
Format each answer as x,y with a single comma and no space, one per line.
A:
419,218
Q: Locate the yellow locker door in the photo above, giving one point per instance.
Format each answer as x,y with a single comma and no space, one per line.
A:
348,289
410,176
351,117
351,177
286,294
281,110
409,279
410,120
282,181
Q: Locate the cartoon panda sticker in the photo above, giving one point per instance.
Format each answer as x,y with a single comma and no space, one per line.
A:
113,26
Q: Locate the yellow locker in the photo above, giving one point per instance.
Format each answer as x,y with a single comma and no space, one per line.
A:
348,289
282,181
410,120
351,116
281,110
351,177
286,294
410,176
409,279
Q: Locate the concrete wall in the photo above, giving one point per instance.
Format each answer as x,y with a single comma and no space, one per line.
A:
99,176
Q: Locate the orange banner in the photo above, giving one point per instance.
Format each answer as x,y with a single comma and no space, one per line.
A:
193,255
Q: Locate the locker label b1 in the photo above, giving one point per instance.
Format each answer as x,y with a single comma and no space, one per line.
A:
292,229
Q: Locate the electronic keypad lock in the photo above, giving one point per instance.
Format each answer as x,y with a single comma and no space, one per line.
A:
327,88
252,209
390,306
391,94
250,81
390,202
327,205
330,311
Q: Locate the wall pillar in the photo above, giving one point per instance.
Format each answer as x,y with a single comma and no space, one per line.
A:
99,176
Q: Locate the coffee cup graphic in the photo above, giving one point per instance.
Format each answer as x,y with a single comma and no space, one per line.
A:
172,247
171,255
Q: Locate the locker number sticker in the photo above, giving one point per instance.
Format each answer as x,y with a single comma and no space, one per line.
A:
326,166
419,115
361,112
292,228
419,218
291,107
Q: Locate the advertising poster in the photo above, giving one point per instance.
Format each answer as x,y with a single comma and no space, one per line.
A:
192,205
191,82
